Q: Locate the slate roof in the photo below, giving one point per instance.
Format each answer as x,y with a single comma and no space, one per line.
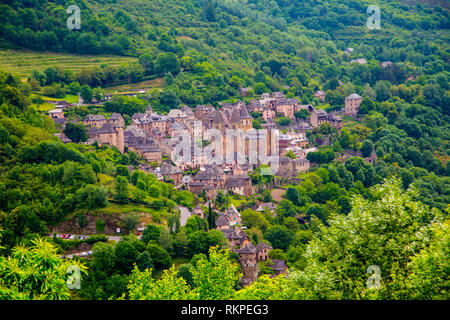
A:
269,205
261,246
235,116
244,113
278,265
93,131
94,117
353,96
230,234
222,221
167,169
60,121
218,118
116,116
187,110
248,249
137,116
107,128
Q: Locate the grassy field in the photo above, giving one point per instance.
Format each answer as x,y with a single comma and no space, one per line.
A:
146,84
23,62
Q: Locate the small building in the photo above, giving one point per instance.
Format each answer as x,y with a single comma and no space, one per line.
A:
249,264
267,206
56,113
244,92
198,211
95,120
222,222
279,267
233,216
170,172
320,95
262,251
352,104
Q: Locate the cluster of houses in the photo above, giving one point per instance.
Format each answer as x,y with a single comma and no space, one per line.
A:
154,137
239,242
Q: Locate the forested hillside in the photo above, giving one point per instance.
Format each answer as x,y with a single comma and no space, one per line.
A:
222,45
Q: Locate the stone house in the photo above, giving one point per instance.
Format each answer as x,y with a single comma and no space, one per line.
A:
233,216
352,104
268,114
56,113
111,135
222,222
287,107
267,205
198,211
320,95
249,264
262,251
279,267
94,120
170,172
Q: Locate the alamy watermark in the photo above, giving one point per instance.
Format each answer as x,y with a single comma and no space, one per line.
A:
74,279
374,21
374,281
74,20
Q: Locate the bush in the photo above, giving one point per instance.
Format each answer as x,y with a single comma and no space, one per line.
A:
96,238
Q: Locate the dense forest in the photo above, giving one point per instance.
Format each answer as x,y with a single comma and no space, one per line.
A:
393,213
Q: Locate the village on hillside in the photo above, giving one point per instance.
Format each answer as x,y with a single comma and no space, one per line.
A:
153,137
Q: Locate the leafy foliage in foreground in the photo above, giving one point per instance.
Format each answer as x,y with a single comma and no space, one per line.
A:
403,237
35,272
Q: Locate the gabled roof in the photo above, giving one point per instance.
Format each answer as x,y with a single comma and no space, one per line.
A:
261,246
176,113
222,221
244,113
94,117
235,118
60,121
353,96
116,116
168,168
248,249
93,130
269,205
278,265
218,119
187,110
137,116
106,129
230,234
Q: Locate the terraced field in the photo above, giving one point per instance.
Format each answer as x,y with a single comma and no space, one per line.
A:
23,62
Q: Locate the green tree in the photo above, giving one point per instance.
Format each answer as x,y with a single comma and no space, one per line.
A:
125,255
293,195
278,236
36,272
76,132
216,277
150,233
143,286
167,62
131,220
146,61
366,148
338,259
86,93
160,256
121,187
